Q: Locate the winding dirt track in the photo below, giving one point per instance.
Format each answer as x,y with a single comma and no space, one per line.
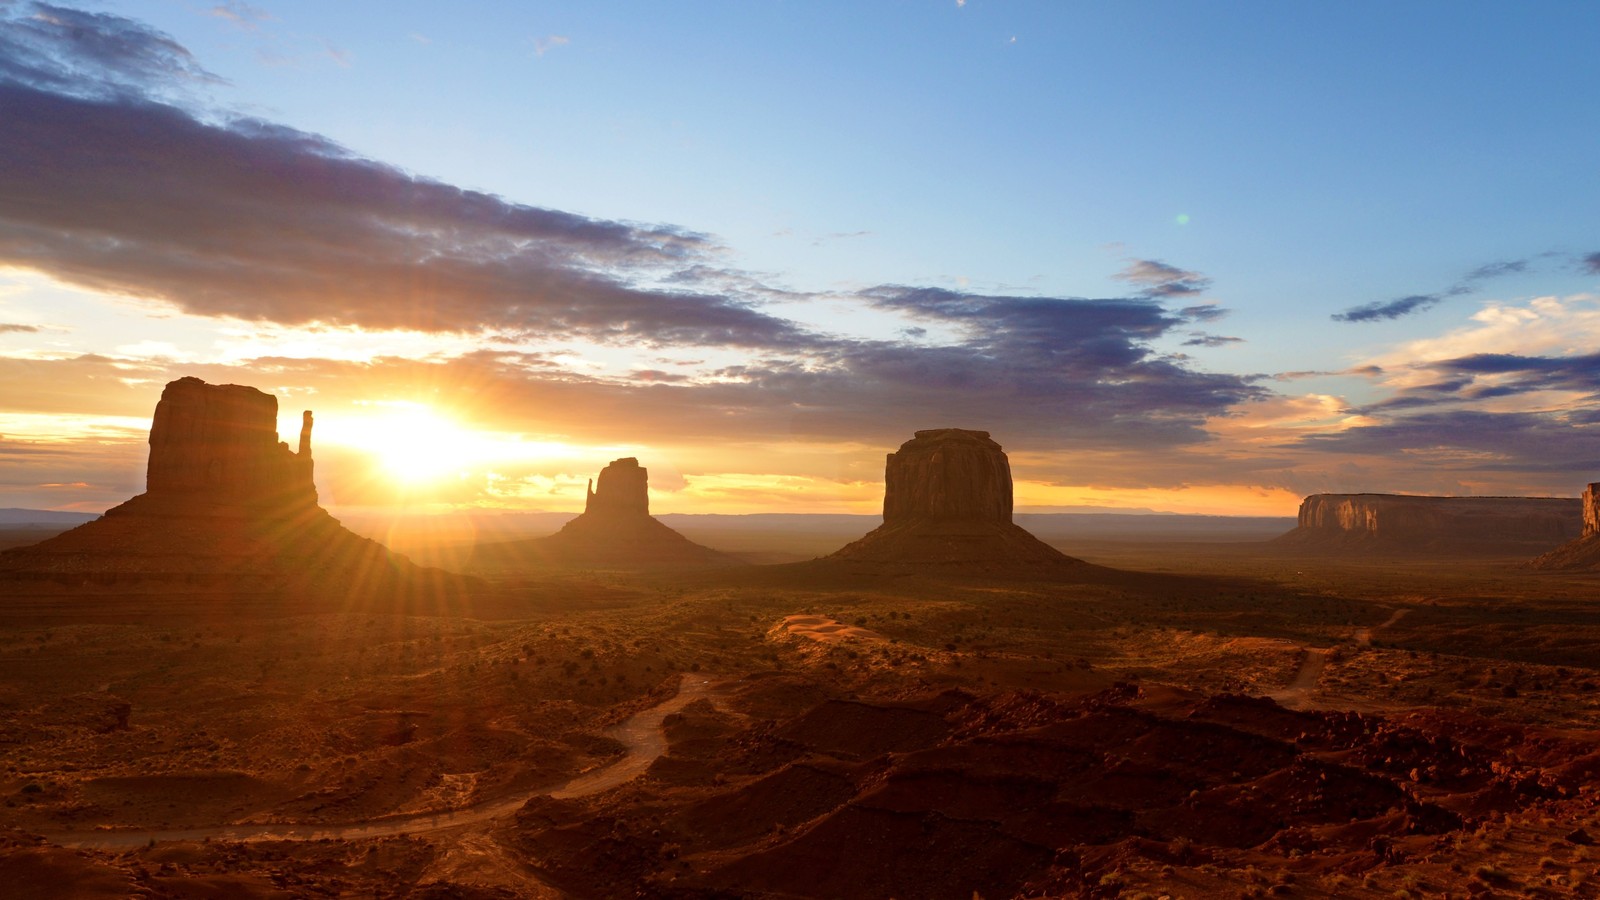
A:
640,734
1297,693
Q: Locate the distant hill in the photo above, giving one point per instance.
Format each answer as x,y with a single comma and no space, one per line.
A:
446,540
41,518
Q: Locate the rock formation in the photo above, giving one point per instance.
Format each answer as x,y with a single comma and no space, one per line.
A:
624,490
1401,524
221,442
1584,551
947,501
615,531
225,503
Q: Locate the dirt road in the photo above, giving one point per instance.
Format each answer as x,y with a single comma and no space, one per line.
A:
1297,692
640,734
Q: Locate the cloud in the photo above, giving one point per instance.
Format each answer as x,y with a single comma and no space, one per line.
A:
262,222
241,15
1543,326
1381,310
1496,270
1388,309
12,328
1205,312
1477,441
1159,279
1485,376
545,44
111,189
86,54
1199,339
1591,263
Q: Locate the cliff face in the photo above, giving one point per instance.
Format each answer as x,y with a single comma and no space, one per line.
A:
947,502
226,505
1397,523
219,443
624,489
1582,553
947,473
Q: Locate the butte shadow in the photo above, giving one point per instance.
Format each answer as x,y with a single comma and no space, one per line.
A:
615,531
226,506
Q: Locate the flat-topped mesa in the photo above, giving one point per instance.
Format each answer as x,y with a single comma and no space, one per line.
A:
1591,510
624,488
947,502
947,473
218,443
1400,523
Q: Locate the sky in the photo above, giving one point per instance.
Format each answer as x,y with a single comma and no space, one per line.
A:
1199,258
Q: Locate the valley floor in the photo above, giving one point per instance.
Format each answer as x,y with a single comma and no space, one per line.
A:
1193,721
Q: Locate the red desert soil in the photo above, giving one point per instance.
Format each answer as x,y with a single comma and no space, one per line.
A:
879,734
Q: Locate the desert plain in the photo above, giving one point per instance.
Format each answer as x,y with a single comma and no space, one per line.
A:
1176,718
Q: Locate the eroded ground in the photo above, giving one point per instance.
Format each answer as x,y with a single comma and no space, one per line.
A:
1432,730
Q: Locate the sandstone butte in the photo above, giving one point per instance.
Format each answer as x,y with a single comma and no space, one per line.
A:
225,504
1401,524
947,502
1584,551
615,531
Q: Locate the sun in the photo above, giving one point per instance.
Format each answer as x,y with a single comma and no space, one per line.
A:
414,445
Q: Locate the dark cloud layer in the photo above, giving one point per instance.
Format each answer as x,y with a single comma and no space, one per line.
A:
1477,441
110,189
1484,376
265,223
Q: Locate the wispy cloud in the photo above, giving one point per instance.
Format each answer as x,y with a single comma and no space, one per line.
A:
12,328
1199,339
1381,310
1389,309
241,15
1158,279
543,45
